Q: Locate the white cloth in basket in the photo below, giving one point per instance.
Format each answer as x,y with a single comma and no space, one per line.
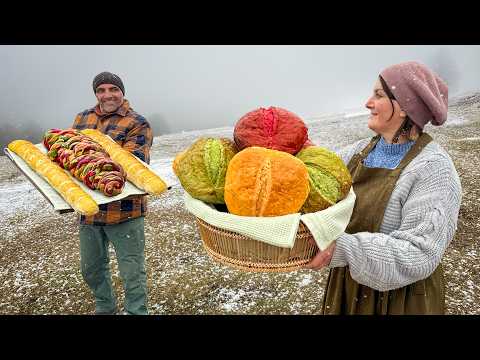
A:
325,225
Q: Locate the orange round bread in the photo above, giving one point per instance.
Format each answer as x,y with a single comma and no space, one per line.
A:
265,182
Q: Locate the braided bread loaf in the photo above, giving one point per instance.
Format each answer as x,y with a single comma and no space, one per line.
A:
137,172
85,159
78,199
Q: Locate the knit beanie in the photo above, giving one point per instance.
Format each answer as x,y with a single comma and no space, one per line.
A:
107,78
421,93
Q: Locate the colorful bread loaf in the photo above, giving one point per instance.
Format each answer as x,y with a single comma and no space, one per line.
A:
86,160
136,171
78,199
329,178
201,168
264,182
273,128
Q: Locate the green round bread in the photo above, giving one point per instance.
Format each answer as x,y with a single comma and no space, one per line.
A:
329,178
202,167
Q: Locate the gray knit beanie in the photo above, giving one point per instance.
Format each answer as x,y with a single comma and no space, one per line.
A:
108,78
421,93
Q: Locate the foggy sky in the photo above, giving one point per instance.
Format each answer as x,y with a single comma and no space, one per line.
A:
194,87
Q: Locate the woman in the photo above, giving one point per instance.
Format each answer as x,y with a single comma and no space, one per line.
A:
406,211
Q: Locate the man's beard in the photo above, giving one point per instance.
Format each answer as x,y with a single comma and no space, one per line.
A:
110,108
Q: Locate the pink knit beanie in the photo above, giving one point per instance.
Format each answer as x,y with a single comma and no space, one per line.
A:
419,91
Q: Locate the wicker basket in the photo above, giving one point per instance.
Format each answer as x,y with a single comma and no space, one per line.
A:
247,254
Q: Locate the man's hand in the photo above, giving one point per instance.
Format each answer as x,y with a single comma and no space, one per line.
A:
322,258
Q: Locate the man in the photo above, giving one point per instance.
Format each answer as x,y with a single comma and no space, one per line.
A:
120,222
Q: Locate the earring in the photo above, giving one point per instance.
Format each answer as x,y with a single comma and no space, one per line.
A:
395,138
406,129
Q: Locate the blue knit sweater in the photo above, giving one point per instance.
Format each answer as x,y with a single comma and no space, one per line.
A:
385,155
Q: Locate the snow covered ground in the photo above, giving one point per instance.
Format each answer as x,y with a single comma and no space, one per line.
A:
39,254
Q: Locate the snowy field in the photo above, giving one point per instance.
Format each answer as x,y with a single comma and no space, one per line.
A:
39,248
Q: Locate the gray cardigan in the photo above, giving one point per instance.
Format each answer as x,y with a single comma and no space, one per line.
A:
420,221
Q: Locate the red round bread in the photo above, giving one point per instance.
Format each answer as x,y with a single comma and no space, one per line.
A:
273,128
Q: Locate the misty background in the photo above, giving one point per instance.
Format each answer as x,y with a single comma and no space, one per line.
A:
187,87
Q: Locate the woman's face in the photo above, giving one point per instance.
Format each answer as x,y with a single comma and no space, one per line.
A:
381,120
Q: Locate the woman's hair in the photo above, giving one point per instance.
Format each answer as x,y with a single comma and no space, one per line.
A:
408,128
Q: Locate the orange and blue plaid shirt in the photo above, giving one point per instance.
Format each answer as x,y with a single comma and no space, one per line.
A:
132,131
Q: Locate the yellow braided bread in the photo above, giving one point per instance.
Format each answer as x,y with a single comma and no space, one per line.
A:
73,194
137,172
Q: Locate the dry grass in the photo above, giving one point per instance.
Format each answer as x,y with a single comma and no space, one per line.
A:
462,259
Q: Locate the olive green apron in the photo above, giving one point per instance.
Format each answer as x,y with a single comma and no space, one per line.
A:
343,295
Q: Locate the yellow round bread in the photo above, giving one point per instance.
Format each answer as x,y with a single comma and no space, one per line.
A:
265,182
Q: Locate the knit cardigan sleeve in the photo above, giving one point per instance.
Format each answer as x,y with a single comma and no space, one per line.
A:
419,222
347,152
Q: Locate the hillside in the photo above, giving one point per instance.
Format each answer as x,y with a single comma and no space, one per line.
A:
39,248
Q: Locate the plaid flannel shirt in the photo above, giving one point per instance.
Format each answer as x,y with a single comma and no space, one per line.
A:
132,131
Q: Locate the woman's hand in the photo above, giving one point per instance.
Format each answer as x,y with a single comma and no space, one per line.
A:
322,258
